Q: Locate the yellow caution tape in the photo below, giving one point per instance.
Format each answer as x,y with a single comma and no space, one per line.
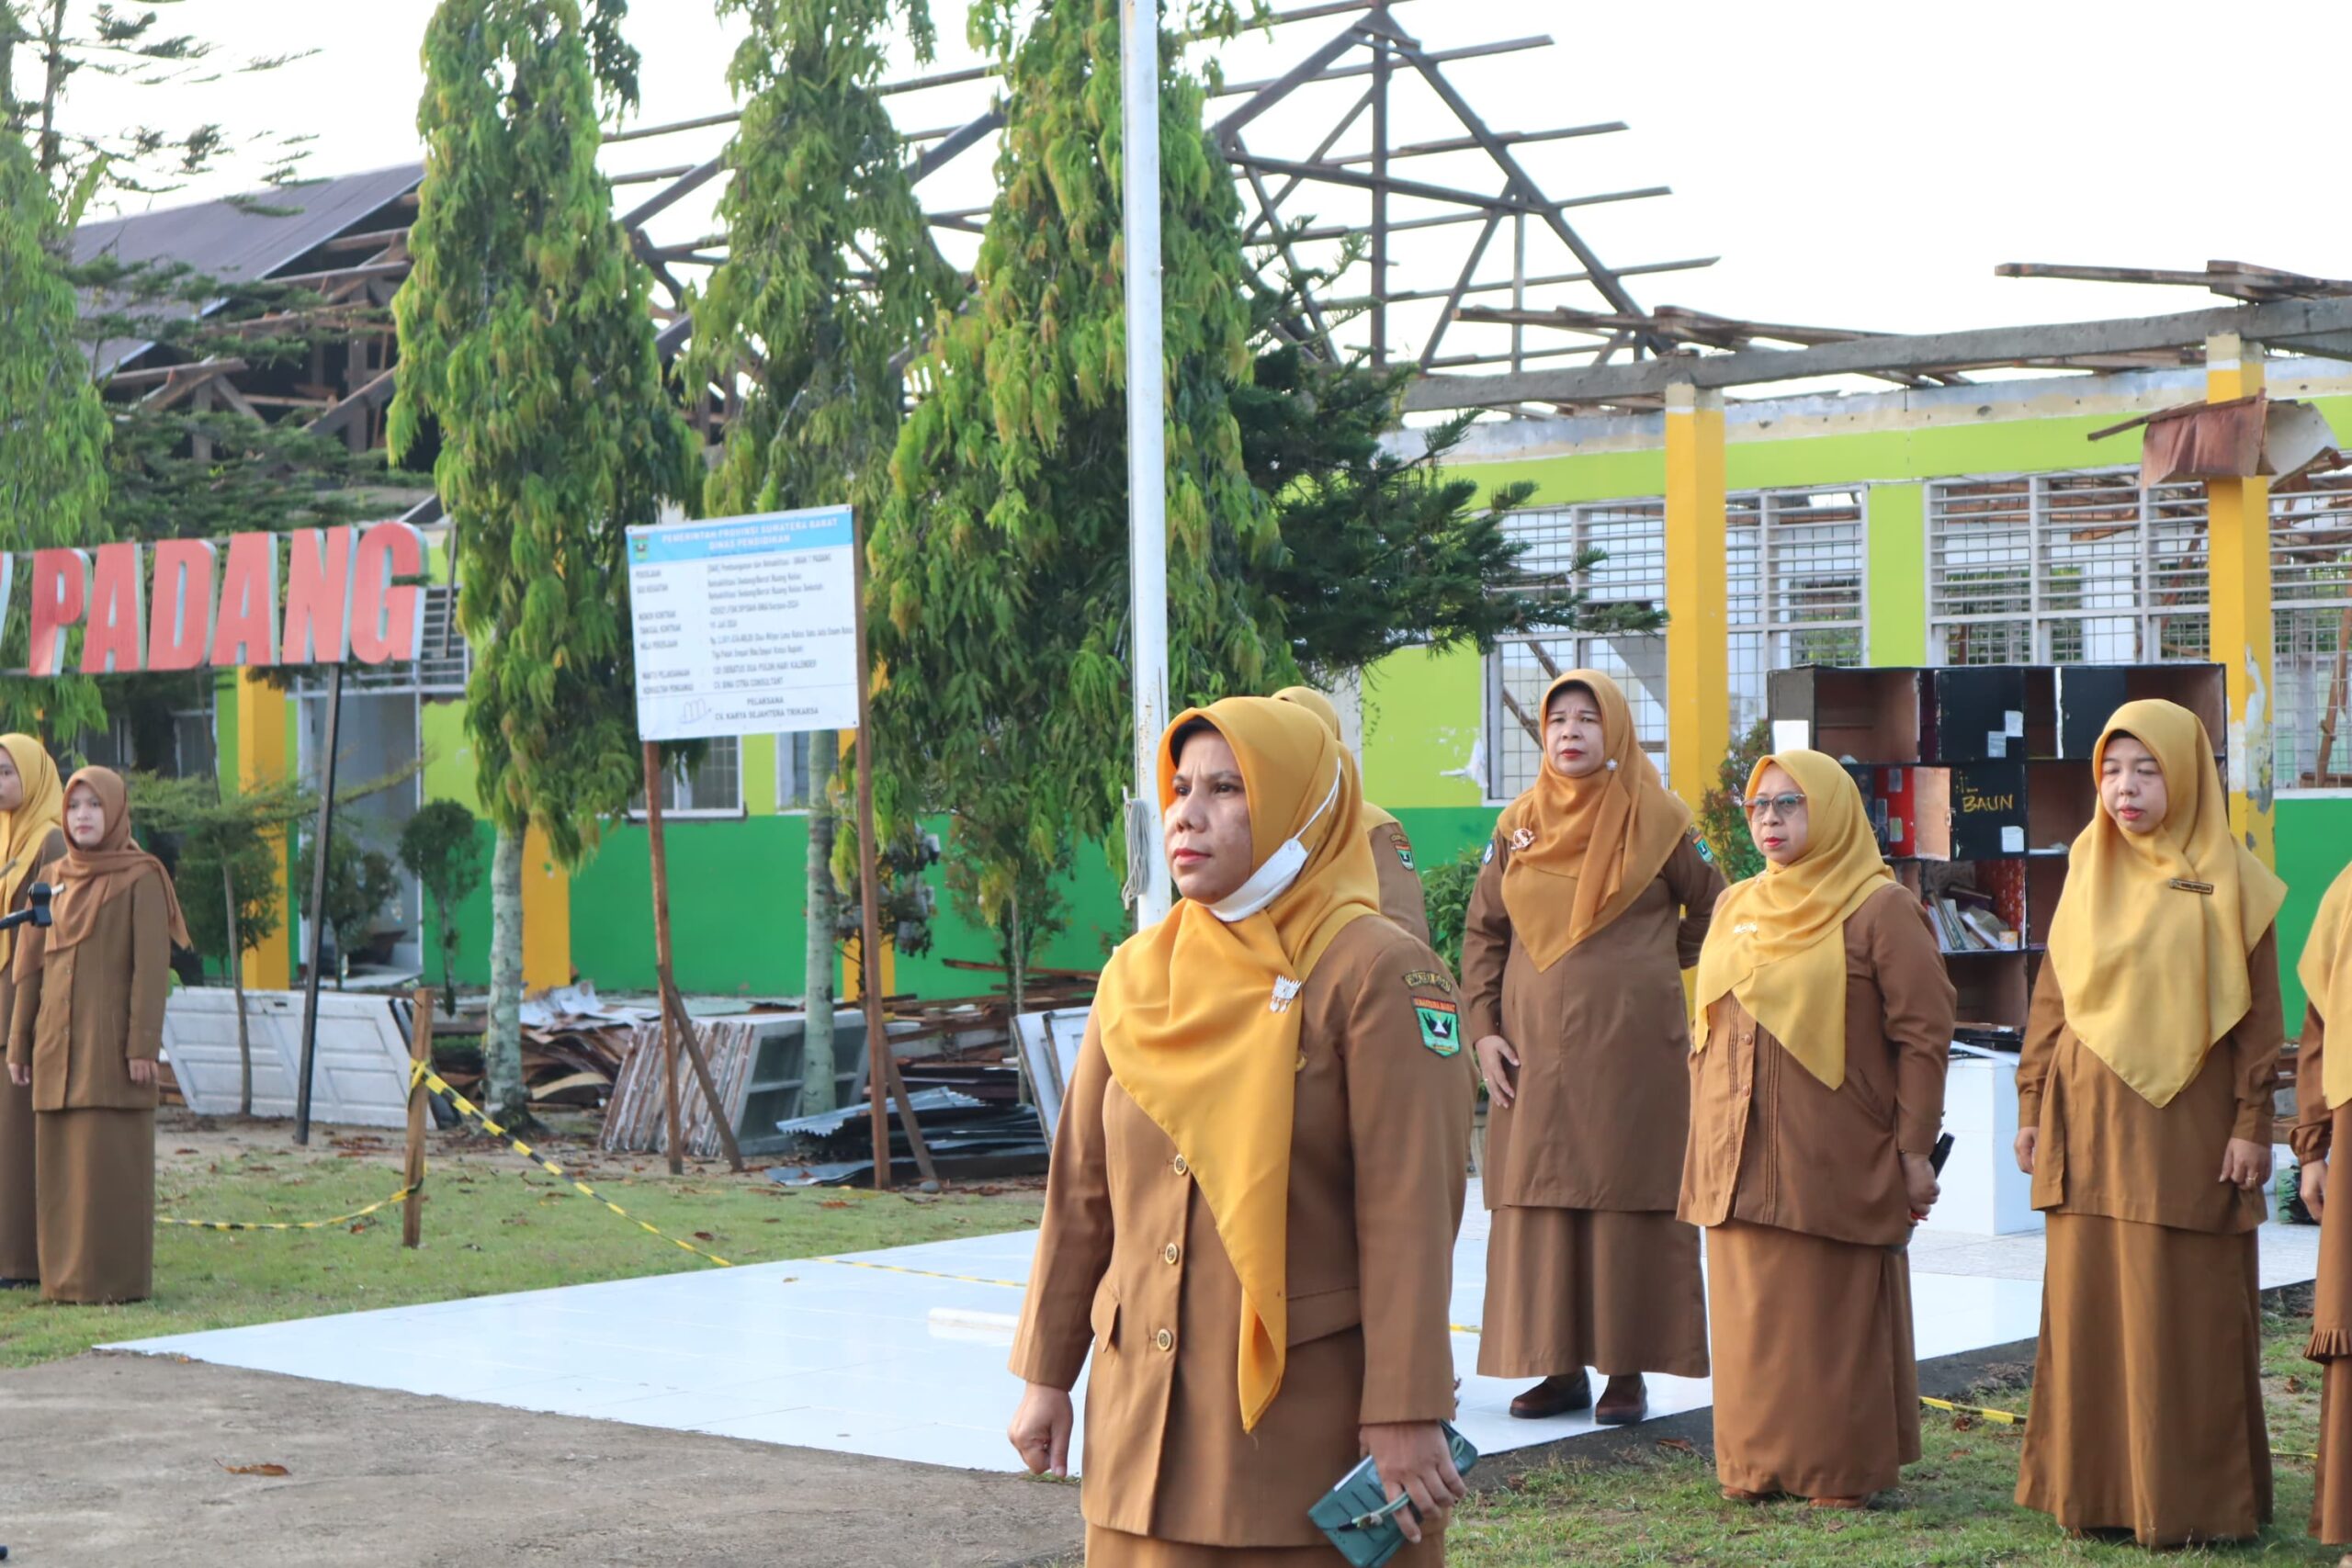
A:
2005,1417
285,1224
2012,1418
925,1273
437,1086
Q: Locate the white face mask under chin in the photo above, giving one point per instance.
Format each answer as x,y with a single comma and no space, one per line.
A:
1274,878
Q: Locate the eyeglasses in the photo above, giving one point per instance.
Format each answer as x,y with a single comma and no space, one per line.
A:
1775,804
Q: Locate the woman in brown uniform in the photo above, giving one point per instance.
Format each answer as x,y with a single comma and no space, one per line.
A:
2323,1096
1593,900
1255,1181
1816,1095
32,834
86,1029
1401,898
2144,1115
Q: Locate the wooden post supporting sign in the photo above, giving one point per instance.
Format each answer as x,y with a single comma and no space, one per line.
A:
420,1049
677,1029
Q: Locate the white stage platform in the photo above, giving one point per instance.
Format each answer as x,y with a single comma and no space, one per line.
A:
901,1354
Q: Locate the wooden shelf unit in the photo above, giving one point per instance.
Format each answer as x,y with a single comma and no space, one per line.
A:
1979,776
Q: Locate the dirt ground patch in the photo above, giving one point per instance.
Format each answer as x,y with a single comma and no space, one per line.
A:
117,1459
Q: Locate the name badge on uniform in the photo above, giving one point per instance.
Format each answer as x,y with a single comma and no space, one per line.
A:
2186,886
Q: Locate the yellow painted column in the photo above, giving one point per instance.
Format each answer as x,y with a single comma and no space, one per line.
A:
261,760
1698,656
853,975
547,915
2238,537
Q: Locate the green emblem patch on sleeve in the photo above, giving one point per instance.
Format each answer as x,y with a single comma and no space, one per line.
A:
1404,852
1440,1025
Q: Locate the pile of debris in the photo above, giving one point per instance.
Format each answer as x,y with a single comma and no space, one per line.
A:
574,1047
967,1140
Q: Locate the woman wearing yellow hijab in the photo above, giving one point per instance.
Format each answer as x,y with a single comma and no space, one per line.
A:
32,836
2145,1117
1816,1096
1256,1183
1593,900
2323,1098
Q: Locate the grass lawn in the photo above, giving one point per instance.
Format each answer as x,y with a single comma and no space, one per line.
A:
492,1223
1954,1507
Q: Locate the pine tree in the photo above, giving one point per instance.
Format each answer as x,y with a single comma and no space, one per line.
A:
527,346
831,272
52,439
998,600
1382,551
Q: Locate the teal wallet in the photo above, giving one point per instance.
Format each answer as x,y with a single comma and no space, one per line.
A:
1361,1521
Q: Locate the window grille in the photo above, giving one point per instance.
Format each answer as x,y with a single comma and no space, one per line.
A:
2311,605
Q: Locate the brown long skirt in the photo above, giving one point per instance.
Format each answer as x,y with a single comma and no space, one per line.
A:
1568,1289
19,1222
2147,1386
1816,1386
96,1176
1116,1549
2332,1479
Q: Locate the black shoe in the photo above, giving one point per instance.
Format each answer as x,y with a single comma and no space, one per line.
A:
1554,1396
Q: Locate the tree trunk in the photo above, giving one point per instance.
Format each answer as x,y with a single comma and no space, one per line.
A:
448,961
52,88
502,1043
819,1091
237,984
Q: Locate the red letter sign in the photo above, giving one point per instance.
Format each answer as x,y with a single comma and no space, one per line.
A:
318,597
387,621
60,589
116,642
248,629
179,629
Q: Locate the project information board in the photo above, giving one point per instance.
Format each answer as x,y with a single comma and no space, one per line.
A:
745,625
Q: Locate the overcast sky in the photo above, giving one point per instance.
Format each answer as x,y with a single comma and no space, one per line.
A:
1854,163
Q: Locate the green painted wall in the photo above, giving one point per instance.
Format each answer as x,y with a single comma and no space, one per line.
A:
1421,720
1896,574
2314,843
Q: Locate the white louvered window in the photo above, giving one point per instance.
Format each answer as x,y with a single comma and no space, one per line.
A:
1633,536
2311,606
2065,568
1795,586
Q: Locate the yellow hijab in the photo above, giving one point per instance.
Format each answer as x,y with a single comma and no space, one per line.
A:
22,831
1778,938
1320,707
1198,1015
2152,932
2326,974
1592,844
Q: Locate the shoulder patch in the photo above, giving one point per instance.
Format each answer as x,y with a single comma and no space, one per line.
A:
1404,849
1490,855
1705,854
1426,980
1440,1024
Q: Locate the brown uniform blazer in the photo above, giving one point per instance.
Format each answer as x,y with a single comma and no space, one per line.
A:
2105,1150
2312,1134
1603,1107
48,852
1401,895
84,1014
1771,1145
1129,1266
